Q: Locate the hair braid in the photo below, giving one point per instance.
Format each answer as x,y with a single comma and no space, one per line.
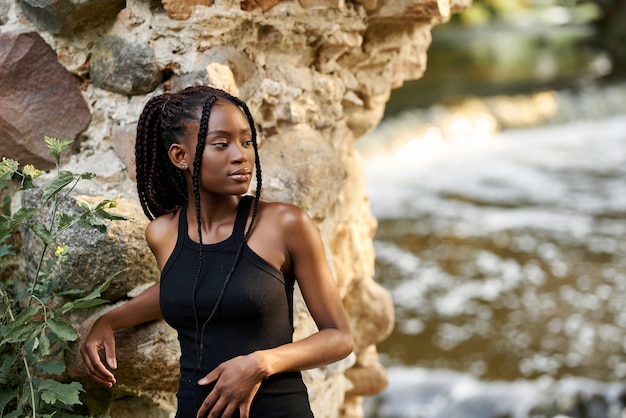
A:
195,175
205,111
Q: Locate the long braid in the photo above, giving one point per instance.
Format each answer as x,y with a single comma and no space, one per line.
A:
197,165
161,124
255,210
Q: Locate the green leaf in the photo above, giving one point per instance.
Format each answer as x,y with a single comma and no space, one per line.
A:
81,304
19,217
101,212
56,146
92,299
88,221
65,220
63,329
27,183
52,392
87,176
23,332
21,320
43,348
8,168
18,413
41,231
54,367
6,396
5,368
57,184
6,249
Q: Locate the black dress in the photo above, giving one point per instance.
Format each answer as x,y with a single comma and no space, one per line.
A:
254,314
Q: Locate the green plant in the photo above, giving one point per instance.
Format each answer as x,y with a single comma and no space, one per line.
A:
33,329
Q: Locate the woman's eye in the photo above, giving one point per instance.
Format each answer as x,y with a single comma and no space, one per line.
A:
221,145
247,143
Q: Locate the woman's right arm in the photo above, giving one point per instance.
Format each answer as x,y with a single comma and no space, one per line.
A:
141,309
161,235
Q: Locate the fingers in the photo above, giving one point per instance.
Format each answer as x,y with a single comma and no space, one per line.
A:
97,370
209,378
209,405
244,411
215,406
109,352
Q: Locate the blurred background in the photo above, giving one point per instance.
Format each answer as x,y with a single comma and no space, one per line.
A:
499,183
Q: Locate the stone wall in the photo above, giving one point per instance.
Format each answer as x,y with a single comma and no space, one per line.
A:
316,75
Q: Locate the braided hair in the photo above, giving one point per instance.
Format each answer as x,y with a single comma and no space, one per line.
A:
160,184
162,187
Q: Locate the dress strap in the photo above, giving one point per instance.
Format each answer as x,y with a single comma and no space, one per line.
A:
243,210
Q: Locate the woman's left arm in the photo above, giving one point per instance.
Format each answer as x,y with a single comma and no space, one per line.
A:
238,379
307,259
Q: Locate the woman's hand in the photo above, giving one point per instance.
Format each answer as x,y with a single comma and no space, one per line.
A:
236,383
100,338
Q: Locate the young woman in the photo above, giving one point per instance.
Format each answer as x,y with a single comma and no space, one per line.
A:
228,266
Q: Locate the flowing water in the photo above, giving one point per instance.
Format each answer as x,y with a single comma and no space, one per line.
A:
502,239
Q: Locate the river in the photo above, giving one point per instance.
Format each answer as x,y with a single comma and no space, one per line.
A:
504,248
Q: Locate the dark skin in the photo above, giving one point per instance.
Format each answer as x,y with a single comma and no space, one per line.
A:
283,235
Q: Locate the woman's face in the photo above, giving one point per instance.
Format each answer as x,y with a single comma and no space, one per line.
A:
228,157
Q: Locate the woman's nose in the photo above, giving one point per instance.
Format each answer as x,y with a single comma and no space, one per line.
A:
240,153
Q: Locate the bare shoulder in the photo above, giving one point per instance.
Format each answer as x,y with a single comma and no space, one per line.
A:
162,225
283,215
161,234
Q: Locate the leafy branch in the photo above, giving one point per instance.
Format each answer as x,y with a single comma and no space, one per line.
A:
33,329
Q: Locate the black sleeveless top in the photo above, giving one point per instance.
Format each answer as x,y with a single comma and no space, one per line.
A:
255,314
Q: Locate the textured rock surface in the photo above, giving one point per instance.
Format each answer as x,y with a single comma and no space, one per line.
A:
316,75
66,17
123,67
38,97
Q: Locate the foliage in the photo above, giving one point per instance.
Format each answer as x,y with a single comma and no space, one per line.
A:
33,331
552,12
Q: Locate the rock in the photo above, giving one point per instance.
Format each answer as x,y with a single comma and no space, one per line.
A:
93,256
182,9
372,309
224,67
413,10
124,67
291,163
153,346
38,98
67,17
265,5
123,138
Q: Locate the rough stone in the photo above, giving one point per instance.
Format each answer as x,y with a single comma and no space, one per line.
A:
321,4
124,67
123,138
93,256
292,171
366,381
38,98
411,10
4,11
373,309
66,17
152,346
182,9
264,5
